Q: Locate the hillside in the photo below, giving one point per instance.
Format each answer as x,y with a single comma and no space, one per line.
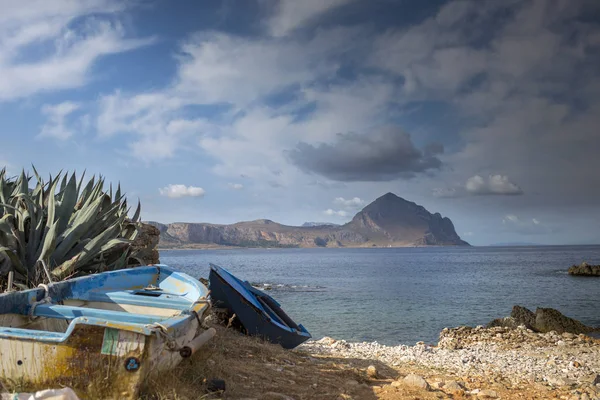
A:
389,221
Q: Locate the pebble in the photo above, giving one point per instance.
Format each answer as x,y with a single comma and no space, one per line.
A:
487,394
372,372
417,381
453,387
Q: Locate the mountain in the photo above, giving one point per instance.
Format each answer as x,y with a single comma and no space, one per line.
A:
313,224
389,221
515,244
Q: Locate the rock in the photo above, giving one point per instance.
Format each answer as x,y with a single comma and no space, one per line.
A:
584,269
596,380
487,394
351,383
215,385
396,383
543,320
453,387
518,316
437,385
417,381
549,319
558,381
328,341
372,372
523,316
145,244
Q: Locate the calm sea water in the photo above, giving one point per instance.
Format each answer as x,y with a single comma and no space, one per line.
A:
405,295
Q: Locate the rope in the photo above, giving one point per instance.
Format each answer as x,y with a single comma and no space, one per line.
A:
47,299
161,330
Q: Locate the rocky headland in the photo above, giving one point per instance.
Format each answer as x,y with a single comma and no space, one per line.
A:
389,221
585,269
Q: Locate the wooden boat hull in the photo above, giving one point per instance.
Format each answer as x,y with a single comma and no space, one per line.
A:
101,336
258,312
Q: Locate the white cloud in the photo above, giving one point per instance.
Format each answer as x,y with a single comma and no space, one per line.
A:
527,226
335,213
352,203
235,186
446,192
71,50
492,185
290,14
178,191
56,126
222,68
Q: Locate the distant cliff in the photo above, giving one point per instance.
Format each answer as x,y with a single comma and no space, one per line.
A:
389,221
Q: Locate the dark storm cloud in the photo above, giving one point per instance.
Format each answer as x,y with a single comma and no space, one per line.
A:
383,155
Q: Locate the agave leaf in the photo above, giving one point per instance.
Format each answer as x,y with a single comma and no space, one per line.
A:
14,259
37,175
67,205
118,193
92,249
77,249
49,244
80,180
129,231
7,237
83,220
121,261
136,215
85,192
63,182
66,268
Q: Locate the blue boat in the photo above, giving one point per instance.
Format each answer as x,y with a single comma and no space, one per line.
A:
259,313
124,325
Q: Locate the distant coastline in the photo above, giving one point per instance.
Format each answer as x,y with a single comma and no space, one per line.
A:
389,221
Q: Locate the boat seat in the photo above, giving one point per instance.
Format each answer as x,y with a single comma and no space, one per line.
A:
69,312
138,298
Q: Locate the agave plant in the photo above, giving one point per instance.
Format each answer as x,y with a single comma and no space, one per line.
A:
60,228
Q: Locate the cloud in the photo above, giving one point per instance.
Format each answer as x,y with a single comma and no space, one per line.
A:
334,213
352,203
290,14
531,226
235,186
385,154
492,185
178,191
480,186
447,192
57,114
71,49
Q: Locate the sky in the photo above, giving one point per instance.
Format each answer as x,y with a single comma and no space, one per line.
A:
221,111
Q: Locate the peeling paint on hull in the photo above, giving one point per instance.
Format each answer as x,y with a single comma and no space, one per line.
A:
113,357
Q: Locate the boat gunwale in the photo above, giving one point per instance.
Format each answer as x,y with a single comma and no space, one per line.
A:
173,323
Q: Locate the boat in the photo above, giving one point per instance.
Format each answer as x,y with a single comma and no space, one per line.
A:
259,313
123,326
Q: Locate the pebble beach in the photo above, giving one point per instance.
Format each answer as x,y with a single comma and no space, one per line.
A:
567,365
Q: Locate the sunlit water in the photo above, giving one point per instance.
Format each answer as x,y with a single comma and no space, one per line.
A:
405,295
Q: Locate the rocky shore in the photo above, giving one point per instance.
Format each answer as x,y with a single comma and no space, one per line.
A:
505,359
585,269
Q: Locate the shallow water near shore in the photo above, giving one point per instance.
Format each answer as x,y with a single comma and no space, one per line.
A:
404,295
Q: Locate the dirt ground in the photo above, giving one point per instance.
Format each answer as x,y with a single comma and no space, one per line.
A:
253,369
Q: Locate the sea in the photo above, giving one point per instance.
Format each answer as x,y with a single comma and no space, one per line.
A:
405,295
